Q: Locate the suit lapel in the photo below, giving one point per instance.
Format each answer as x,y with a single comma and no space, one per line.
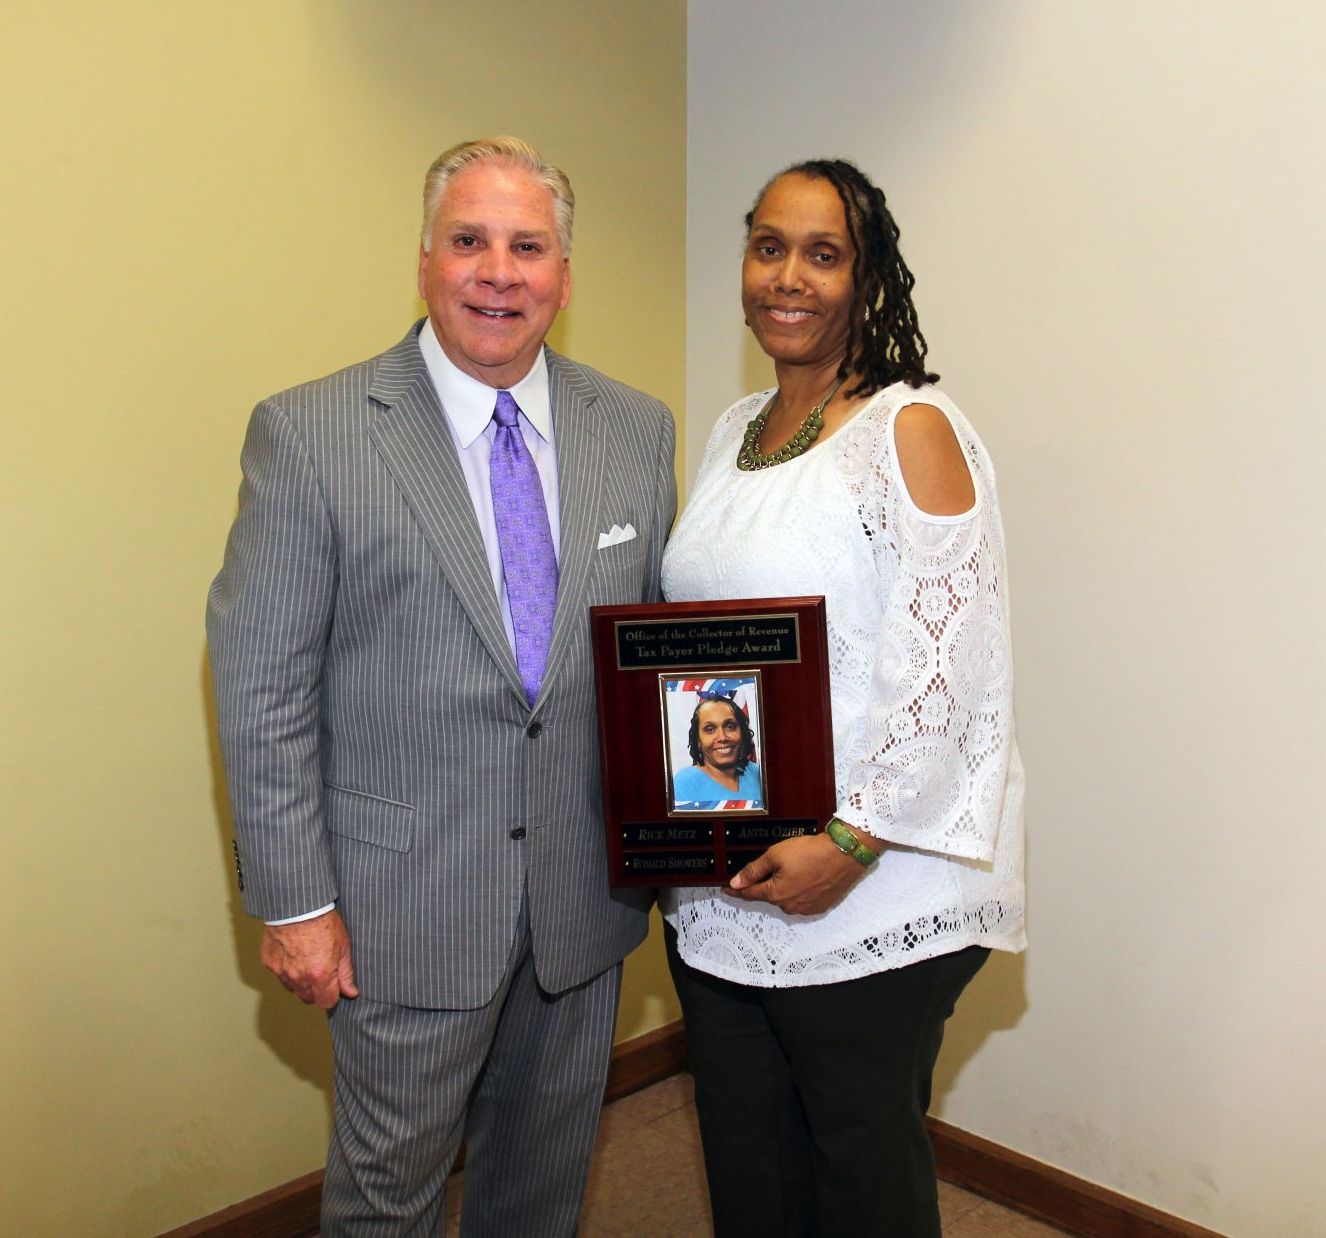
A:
580,453
412,437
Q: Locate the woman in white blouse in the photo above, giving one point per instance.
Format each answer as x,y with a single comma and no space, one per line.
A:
815,989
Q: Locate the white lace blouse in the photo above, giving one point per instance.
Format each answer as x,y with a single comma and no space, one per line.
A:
921,686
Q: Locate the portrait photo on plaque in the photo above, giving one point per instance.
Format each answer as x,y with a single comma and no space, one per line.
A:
712,743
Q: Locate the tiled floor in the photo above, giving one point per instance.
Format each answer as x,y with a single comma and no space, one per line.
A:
648,1178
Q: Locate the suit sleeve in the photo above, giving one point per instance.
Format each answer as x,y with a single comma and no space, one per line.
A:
269,615
665,503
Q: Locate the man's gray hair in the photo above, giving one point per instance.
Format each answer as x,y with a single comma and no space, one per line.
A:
511,152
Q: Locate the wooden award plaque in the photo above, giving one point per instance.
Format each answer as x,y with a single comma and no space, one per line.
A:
715,733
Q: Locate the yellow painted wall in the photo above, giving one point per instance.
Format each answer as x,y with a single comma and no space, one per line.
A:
204,204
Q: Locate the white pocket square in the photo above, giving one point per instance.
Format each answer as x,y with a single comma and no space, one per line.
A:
616,535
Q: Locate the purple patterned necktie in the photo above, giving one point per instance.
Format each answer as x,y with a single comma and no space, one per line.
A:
525,540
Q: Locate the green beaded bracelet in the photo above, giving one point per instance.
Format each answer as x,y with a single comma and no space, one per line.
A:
848,843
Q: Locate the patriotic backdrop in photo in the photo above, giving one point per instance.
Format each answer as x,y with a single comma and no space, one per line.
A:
682,695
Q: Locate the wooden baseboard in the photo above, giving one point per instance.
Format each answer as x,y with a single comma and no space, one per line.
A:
291,1210
287,1211
646,1060
1042,1191
988,1169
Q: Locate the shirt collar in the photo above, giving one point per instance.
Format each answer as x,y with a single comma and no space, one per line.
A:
468,403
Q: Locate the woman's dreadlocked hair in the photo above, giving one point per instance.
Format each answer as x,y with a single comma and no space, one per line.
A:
884,340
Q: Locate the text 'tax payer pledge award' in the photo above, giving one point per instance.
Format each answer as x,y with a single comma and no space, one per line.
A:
715,730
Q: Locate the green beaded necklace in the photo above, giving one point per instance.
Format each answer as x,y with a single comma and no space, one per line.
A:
750,457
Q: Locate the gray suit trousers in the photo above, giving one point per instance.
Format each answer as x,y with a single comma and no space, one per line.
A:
521,1078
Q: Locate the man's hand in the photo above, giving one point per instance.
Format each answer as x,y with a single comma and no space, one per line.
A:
800,875
312,959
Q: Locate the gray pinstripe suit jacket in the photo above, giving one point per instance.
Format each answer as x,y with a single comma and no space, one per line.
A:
378,746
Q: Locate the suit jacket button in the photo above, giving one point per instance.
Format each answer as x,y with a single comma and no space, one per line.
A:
518,833
534,729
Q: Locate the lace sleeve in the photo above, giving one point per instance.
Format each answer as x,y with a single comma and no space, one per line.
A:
940,725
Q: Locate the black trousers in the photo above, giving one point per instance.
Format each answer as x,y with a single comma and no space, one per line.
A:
812,1100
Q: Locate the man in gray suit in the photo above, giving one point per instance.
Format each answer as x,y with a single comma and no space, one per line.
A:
400,644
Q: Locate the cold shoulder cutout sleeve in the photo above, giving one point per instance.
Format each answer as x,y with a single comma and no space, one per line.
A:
931,467
939,734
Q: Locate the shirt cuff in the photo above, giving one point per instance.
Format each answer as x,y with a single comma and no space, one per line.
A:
308,915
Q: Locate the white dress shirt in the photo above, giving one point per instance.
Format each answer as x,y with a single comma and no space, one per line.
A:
468,407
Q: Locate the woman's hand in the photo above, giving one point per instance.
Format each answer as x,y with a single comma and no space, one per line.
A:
800,875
